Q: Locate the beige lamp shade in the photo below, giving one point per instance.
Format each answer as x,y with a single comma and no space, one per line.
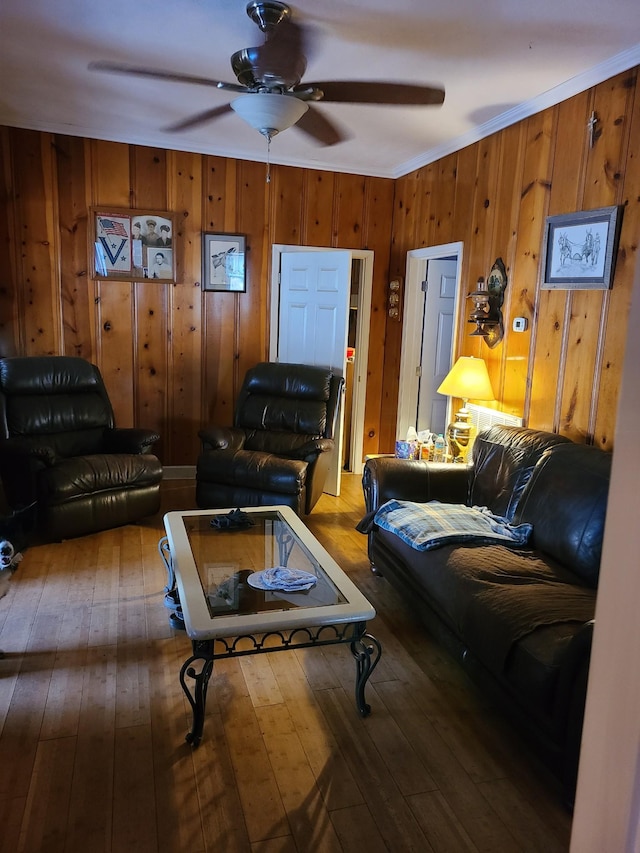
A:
468,379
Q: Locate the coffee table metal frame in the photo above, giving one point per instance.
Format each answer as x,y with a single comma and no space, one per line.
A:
225,636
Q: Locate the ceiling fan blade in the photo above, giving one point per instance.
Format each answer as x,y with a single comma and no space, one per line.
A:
373,92
316,125
199,118
158,74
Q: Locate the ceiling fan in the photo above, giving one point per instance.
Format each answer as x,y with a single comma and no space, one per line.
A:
270,94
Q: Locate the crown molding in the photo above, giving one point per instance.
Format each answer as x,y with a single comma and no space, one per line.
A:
580,83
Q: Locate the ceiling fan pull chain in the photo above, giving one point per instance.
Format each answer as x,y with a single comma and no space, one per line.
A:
268,158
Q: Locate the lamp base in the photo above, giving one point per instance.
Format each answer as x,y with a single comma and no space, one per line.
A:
459,436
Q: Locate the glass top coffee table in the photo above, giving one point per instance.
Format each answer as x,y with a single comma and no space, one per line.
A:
215,590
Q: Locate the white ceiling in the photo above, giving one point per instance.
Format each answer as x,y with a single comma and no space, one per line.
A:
499,61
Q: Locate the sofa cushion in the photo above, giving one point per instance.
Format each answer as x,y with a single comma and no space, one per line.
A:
278,397
308,417
56,401
221,495
566,502
492,596
503,461
252,469
511,595
85,475
535,663
273,441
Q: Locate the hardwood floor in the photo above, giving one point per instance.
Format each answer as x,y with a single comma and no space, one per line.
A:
93,720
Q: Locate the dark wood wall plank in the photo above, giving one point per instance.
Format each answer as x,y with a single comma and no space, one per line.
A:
519,295
185,310
109,174
11,329
548,323
77,287
404,238
218,338
464,178
286,205
426,205
148,168
252,339
320,195
619,297
480,243
35,188
444,200
349,211
378,203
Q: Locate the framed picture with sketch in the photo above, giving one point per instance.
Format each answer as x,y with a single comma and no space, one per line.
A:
132,245
223,262
579,249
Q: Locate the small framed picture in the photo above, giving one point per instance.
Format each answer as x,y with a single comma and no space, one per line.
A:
132,245
579,249
223,262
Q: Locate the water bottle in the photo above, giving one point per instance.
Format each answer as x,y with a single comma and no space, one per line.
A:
438,449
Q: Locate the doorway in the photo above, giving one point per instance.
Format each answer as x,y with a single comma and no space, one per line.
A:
428,335
354,354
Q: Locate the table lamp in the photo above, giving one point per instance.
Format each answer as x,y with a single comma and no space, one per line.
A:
467,379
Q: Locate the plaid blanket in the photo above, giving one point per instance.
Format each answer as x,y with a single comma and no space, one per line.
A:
425,526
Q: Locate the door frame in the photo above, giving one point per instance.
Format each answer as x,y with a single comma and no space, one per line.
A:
412,328
362,334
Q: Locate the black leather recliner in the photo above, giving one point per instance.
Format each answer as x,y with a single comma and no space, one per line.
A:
60,449
278,451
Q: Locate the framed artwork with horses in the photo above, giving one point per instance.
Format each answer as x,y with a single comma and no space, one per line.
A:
579,249
132,245
223,262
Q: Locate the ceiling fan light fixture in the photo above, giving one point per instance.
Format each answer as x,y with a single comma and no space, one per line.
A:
268,112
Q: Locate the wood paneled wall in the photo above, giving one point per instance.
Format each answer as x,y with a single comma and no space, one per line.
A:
173,356
563,374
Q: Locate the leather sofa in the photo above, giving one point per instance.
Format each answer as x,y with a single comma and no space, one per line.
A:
61,456
518,619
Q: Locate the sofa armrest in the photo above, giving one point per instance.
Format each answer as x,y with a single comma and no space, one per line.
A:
386,478
222,438
570,701
129,440
21,450
311,449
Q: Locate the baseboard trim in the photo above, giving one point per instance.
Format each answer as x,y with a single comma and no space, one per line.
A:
179,472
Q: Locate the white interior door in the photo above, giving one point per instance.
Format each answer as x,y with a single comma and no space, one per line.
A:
362,265
437,343
313,321
412,329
